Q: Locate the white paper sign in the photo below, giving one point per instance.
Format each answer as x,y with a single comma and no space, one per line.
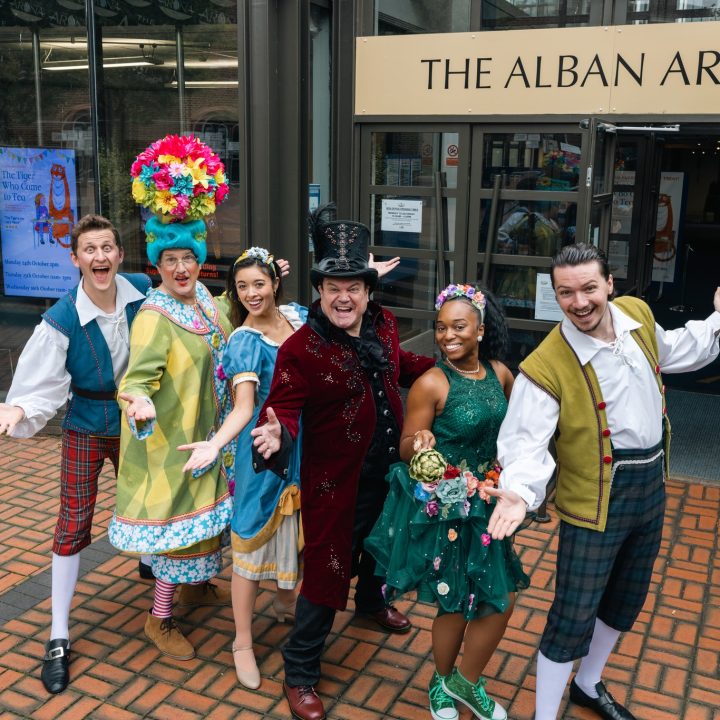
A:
401,216
546,307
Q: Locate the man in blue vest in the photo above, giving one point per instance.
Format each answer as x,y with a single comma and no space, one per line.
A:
80,350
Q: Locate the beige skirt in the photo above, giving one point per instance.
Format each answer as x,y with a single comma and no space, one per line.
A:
276,560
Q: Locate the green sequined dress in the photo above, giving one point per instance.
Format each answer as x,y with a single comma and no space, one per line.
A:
449,558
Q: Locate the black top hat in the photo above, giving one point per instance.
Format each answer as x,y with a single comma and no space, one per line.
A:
341,248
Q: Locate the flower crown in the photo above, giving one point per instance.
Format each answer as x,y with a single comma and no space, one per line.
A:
469,292
179,178
257,253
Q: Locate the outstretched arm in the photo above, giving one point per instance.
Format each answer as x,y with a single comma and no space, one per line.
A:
205,453
423,399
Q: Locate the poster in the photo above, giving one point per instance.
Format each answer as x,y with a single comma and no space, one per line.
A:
401,216
546,306
667,225
38,210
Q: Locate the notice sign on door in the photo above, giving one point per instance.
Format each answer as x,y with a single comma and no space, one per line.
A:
546,306
401,216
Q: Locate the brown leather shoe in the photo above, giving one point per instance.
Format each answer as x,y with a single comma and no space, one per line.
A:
203,594
304,702
390,619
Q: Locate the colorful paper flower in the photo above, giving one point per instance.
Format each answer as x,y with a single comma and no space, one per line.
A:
471,600
486,539
452,535
432,508
436,563
178,167
443,588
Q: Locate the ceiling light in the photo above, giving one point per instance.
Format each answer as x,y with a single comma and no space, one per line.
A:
204,83
59,65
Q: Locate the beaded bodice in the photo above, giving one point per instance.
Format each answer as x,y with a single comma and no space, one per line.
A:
468,427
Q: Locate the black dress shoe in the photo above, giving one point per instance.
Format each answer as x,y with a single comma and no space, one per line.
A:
55,675
604,705
145,571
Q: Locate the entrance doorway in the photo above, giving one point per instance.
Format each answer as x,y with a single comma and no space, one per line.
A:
664,240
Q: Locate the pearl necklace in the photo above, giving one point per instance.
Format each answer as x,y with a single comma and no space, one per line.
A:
464,372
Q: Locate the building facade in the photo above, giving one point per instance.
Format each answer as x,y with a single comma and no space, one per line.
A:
474,137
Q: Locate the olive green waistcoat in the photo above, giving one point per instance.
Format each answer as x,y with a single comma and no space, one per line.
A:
582,439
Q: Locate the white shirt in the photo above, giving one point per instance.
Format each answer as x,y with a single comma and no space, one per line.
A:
628,386
41,383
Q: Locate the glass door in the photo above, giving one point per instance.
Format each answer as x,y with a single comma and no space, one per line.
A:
527,200
636,233
413,197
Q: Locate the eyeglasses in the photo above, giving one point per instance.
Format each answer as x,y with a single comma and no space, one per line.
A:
172,262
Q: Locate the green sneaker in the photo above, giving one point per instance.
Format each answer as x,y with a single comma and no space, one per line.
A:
442,706
473,696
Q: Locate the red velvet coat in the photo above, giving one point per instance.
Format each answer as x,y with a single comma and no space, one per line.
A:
323,380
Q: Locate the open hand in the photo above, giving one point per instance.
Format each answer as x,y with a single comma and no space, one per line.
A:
383,268
204,454
716,300
510,510
267,437
138,407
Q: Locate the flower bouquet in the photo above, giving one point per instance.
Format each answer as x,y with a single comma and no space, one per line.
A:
444,487
179,178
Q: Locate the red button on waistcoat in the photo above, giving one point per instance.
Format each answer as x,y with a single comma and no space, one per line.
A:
606,432
607,459
601,405
657,369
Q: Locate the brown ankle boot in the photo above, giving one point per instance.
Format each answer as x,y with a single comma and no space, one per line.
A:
206,593
168,639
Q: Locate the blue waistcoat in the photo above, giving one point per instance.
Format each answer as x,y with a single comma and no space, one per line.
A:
90,364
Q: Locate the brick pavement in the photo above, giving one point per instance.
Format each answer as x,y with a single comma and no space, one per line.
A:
668,667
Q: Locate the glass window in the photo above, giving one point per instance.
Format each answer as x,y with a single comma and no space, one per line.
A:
663,11
412,158
160,78
45,166
404,17
515,14
321,98
531,227
532,161
417,228
411,285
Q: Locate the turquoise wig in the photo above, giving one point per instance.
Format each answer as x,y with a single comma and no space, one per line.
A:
167,236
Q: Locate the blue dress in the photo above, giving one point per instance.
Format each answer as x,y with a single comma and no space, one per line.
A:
262,499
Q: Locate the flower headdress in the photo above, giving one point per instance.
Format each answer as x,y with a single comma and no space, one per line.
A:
469,292
257,253
179,178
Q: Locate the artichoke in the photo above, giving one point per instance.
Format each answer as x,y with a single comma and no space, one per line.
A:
427,466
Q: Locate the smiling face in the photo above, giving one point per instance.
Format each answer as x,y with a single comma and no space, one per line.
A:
344,302
255,290
583,294
179,271
98,257
457,332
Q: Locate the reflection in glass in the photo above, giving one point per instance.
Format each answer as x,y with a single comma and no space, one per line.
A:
534,13
532,161
421,16
412,158
413,284
661,11
535,227
514,287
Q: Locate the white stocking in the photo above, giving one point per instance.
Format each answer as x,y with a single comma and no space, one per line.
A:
551,680
65,569
602,644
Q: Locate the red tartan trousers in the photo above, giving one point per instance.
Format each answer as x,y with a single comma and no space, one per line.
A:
82,459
